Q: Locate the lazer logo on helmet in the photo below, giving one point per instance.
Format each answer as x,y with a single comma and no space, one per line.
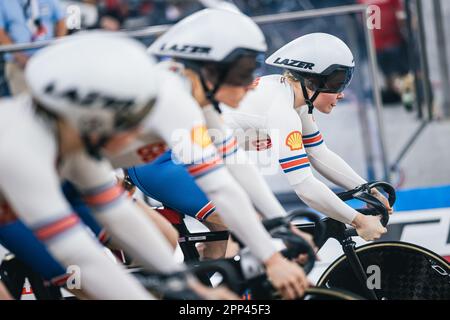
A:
294,63
186,48
88,99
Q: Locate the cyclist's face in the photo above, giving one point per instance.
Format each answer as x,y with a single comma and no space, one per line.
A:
231,95
325,102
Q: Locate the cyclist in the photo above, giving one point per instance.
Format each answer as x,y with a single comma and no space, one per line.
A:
217,52
75,109
318,68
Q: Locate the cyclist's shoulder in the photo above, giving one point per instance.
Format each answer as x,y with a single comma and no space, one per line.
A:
22,132
271,91
276,81
16,115
13,106
174,88
171,73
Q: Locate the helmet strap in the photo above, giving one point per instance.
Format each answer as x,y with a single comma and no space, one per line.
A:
309,101
211,93
93,149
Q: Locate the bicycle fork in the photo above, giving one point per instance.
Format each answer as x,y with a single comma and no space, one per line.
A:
348,245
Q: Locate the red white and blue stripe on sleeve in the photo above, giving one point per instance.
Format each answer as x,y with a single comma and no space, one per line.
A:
205,212
298,162
60,280
104,197
208,165
103,236
312,140
227,147
49,230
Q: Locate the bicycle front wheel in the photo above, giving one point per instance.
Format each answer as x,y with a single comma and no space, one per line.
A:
406,272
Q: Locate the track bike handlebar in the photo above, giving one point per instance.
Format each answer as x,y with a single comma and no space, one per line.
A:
377,208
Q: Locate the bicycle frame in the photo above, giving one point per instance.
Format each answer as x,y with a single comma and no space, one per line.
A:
13,273
336,230
187,239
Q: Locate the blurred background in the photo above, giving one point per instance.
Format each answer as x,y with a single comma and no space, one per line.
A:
394,123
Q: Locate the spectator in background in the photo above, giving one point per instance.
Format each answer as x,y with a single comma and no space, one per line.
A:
124,14
178,9
391,46
23,21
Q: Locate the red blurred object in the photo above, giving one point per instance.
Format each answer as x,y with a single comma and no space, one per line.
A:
389,35
171,215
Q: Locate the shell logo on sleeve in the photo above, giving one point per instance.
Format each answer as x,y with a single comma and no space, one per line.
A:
200,136
294,140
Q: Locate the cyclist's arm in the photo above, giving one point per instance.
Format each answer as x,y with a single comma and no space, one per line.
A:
236,210
325,161
248,176
285,130
241,168
230,200
131,229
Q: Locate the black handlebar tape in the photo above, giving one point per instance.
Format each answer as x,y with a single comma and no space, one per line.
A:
319,225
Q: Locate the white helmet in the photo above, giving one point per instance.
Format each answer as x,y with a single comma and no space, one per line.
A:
210,35
99,82
320,61
226,42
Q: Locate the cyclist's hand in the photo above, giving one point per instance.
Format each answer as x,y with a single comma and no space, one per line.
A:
286,276
4,294
219,293
303,258
368,227
377,194
309,238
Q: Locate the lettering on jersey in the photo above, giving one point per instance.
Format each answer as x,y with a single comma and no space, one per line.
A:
294,140
294,63
200,136
150,151
186,48
86,100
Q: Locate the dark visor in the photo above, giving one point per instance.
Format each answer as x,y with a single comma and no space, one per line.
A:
242,71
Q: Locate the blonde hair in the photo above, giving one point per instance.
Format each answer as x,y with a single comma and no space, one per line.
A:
288,75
